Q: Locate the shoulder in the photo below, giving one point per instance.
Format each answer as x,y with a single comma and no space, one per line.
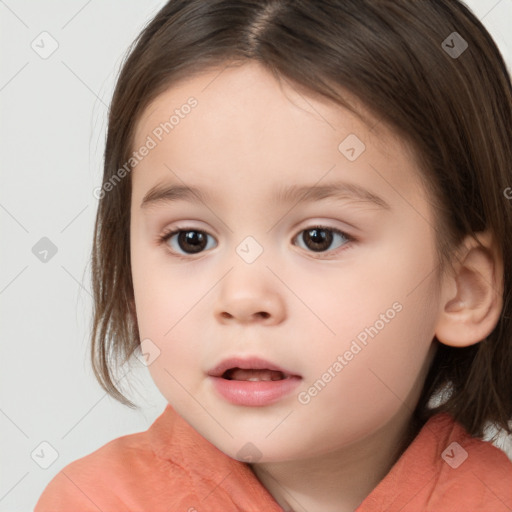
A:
100,478
118,474
468,470
457,448
445,470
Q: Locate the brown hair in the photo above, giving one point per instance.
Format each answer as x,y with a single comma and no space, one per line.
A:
454,110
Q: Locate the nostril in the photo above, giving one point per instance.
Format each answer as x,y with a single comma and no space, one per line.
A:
262,314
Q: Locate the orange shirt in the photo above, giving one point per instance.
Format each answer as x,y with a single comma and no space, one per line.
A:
172,468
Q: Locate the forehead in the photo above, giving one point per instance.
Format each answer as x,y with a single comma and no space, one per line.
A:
248,89
245,125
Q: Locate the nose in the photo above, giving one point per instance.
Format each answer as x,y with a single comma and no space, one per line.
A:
248,298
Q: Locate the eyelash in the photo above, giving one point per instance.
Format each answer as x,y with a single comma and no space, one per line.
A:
169,233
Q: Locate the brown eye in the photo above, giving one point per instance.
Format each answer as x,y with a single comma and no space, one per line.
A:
320,239
190,241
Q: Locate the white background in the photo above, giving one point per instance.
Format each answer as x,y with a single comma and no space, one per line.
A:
52,122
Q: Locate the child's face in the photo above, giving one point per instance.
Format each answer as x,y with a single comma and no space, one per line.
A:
353,321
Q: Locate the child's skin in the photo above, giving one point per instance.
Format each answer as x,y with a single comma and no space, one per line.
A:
246,139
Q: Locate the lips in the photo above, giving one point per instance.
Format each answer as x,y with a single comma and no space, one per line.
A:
252,382
251,369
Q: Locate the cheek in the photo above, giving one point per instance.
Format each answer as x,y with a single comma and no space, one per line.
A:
375,280
161,296
384,375
402,339
164,304
384,317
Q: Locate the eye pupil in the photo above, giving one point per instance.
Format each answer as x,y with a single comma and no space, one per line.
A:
321,238
194,239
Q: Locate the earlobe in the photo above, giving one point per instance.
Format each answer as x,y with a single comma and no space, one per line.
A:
472,296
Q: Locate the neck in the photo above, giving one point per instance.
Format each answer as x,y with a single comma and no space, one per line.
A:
339,480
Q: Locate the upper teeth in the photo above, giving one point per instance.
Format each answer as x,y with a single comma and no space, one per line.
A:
255,375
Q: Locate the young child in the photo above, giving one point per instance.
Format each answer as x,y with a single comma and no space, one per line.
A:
336,334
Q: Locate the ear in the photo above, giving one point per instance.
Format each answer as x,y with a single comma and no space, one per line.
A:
472,296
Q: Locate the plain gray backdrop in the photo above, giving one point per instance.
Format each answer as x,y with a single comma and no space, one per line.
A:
59,61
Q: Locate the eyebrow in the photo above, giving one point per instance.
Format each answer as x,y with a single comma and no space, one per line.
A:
162,194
